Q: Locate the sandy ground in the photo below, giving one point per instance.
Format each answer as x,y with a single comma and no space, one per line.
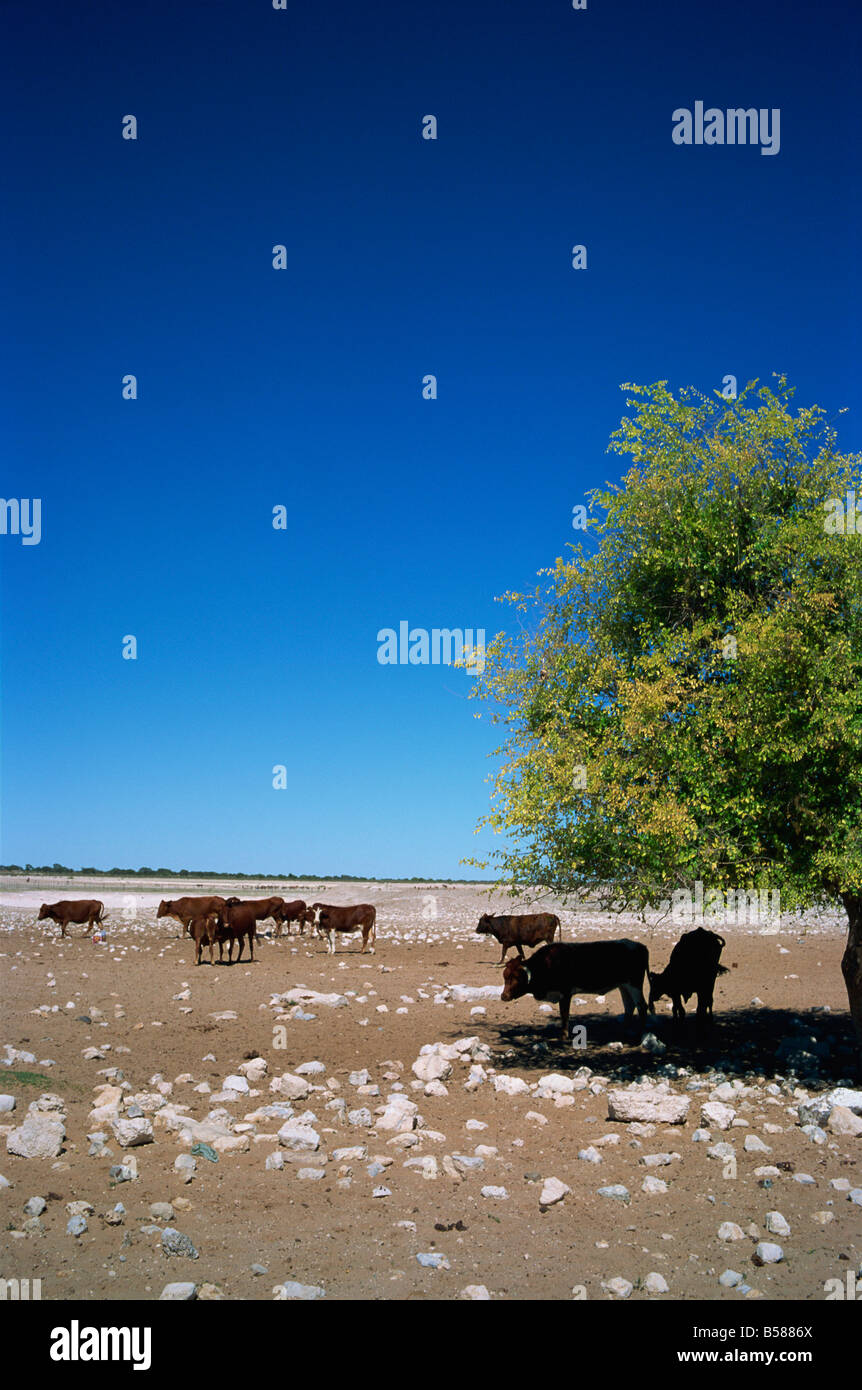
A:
141,1002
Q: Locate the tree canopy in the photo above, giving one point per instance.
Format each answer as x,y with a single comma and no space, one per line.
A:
682,699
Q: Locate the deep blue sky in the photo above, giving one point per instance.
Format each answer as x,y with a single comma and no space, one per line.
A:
303,387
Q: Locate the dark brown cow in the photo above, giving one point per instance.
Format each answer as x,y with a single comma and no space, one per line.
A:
346,919
186,909
520,931
287,913
692,969
87,910
306,919
204,929
557,972
262,907
240,922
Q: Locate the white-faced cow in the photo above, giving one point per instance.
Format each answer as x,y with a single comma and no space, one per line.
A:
330,920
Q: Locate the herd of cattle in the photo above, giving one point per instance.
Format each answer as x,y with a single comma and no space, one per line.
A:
555,971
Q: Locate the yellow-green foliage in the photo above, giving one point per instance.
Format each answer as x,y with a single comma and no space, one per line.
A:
701,657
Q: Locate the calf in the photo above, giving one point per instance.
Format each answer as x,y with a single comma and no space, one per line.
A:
239,922
185,910
520,931
204,928
558,971
692,969
87,910
290,912
346,919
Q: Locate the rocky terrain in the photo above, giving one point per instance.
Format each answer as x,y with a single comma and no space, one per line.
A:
383,1126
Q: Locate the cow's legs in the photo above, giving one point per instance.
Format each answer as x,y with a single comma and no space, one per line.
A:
503,956
565,1006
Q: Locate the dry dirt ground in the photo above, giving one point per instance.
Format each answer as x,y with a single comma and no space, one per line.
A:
139,1000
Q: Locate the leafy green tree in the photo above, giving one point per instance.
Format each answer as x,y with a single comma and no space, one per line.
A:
683,700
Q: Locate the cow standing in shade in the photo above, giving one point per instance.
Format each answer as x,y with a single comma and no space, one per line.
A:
692,969
558,971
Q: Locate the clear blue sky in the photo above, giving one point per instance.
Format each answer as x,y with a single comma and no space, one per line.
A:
303,387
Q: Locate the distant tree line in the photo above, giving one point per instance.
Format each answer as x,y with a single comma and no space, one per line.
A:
147,872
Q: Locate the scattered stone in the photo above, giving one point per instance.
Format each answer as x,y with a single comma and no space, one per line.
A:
175,1243
776,1224
620,1287
178,1293
767,1253
728,1230
303,1292
616,1192
648,1103
433,1260
656,1283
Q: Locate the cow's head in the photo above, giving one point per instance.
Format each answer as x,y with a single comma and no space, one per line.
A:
44,911
657,988
486,924
165,908
516,979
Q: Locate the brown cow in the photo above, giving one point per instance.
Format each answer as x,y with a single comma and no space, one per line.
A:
520,931
186,909
239,922
87,910
291,912
202,928
346,919
263,907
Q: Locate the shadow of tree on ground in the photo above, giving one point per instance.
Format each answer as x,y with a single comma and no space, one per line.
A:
810,1047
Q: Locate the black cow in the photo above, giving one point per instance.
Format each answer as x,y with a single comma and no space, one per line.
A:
558,971
692,969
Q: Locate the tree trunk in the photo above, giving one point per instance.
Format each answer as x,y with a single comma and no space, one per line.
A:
851,963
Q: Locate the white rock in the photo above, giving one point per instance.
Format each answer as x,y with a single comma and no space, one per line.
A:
753,1145
620,1287
432,1067
656,1283
236,1083
653,1185
7,1104
553,1191
510,1086
130,1133
475,1293
291,1290
844,1122
728,1230
497,1193
776,1224
768,1254
648,1103
40,1136
177,1293
299,1138
289,1085
715,1115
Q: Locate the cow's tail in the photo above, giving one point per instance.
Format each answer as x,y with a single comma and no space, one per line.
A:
101,916
373,924
559,931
